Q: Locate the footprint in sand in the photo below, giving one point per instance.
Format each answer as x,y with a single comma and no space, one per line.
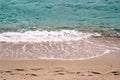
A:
90,73
32,74
115,72
1,71
93,72
7,71
59,71
62,71
19,69
73,72
10,72
36,69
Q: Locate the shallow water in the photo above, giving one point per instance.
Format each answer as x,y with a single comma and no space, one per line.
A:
65,50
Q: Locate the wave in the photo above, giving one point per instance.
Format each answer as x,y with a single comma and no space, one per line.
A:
43,36
60,45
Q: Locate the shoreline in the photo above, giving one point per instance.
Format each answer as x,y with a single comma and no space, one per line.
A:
105,67
71,50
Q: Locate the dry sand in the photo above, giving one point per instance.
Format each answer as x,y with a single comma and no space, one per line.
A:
106,67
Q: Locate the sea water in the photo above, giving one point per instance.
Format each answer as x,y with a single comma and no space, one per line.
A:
57,29
58,14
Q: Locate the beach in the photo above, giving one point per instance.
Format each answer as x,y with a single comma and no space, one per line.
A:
59,40
106,67
91,58
24,60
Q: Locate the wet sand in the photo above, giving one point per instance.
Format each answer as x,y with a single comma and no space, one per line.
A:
106,67
75,50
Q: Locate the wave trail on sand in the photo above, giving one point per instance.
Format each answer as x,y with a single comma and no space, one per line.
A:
61,45
65,50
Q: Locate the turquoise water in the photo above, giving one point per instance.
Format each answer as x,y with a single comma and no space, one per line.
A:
58,14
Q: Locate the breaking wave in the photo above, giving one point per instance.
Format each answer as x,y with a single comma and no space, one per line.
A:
39,36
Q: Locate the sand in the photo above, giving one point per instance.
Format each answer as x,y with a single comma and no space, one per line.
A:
106,67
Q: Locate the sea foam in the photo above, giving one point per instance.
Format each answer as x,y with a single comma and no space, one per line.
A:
43,36
61,45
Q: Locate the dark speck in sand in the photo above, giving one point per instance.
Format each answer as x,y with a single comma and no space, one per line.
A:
61,73
19,69
32,74
37,69
82,75
90,75
96,73
78,72
11,73
8,71
58,71
115,72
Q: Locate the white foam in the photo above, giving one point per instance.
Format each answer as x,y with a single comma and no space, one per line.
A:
106,51
39,36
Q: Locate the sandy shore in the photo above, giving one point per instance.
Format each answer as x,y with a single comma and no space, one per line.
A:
106,67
